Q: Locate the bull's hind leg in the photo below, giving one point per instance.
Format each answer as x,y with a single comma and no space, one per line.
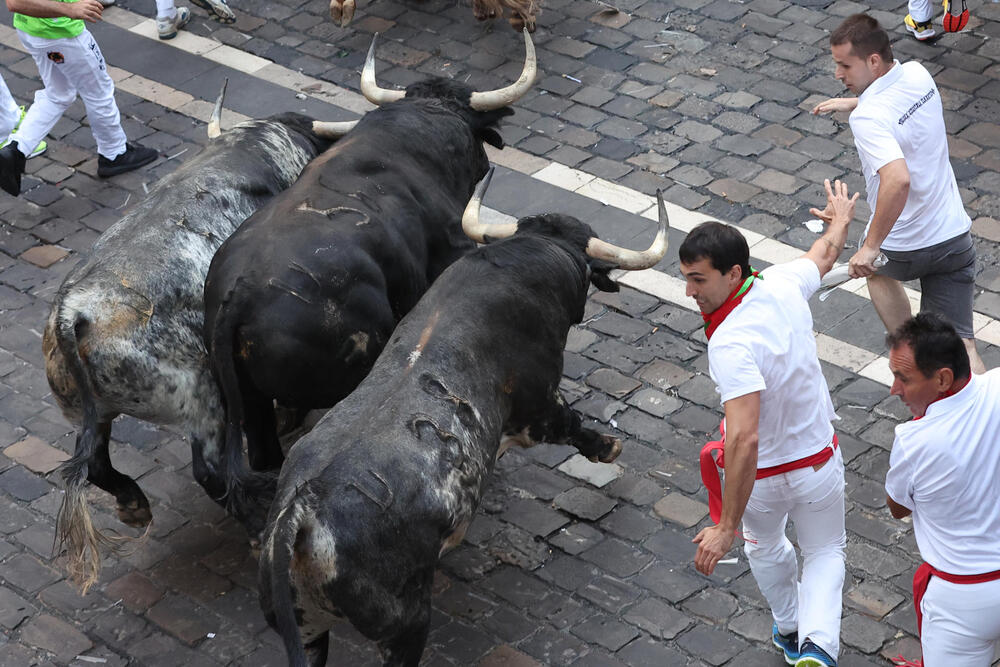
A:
317,650
560,424
261,428
132,504
405,649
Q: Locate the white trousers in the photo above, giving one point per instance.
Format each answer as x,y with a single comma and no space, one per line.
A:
814,501
165,9
921,10
9,111
961,626
70,67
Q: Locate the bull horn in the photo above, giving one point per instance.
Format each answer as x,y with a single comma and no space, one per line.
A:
476,230
333,129
215,122
494,99
369,88
635,260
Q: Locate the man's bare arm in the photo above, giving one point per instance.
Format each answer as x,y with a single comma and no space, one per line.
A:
838,214
742,418
896,510
893,189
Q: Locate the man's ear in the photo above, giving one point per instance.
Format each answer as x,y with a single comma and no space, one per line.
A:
944,377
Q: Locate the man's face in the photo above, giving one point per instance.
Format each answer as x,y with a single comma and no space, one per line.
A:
854,72
709,286
913,388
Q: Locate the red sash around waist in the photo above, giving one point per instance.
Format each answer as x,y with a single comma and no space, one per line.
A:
713,459
923,577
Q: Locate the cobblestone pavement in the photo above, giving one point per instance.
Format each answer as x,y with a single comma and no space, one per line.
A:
566,563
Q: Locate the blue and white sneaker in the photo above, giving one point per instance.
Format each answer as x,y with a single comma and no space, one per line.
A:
811,655
788,644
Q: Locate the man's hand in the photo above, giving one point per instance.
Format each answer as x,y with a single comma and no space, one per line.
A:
838,204
87,10
713,543
862,264
836,104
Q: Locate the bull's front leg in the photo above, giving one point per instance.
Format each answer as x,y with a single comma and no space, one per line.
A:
559,424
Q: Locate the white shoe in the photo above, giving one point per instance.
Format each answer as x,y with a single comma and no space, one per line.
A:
168,27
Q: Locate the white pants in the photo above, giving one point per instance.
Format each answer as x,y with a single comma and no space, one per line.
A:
921,10
9,111
814,500
70,67
165,9
961,626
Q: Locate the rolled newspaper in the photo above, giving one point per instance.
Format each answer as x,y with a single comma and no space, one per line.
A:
839,275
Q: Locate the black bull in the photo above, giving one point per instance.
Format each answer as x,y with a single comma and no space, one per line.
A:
302,298
390,478
124,334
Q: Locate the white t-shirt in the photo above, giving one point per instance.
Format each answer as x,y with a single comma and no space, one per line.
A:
946,468
767,344
899,116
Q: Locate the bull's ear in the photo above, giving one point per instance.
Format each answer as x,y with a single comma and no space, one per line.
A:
599,277
492,137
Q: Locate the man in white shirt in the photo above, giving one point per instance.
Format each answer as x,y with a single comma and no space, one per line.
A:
779,440
918,220
944,469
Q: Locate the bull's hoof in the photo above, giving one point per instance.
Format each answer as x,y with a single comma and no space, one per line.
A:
614,449
134,514
486,9
342,12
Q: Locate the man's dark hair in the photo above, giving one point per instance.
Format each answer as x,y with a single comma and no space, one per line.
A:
721,244
865,36
935,345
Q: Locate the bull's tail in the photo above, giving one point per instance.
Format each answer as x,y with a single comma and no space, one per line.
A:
75,530
287,524
245,493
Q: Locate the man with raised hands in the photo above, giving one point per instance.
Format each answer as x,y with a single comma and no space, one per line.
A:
944,470
780,454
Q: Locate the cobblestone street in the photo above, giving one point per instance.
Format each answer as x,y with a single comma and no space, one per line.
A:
567,563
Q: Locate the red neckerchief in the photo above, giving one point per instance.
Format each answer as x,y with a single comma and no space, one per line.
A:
714,319
951,392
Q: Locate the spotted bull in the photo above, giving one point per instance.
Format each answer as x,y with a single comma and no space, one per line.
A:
124,333
302,298
390,478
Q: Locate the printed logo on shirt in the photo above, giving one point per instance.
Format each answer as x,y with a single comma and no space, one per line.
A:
916,105
56,57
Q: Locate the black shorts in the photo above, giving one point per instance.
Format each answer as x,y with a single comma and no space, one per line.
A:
947,274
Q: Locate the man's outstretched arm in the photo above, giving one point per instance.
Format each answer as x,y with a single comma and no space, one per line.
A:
837,215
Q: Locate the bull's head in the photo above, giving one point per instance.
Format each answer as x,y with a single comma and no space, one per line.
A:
325,129
623,258
479,101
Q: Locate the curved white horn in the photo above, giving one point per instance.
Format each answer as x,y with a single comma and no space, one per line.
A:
333,129
215,122
635,260
369,88
476,230
494,99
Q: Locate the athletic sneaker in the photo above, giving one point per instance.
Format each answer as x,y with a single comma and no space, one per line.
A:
922,31
168,27
789,644
811,655
135,156
218,10
39,149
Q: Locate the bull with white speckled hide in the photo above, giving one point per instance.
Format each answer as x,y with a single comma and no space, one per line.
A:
302,298
390,478
124,334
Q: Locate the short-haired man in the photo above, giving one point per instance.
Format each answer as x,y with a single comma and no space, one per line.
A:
779,440
944,469
918,220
